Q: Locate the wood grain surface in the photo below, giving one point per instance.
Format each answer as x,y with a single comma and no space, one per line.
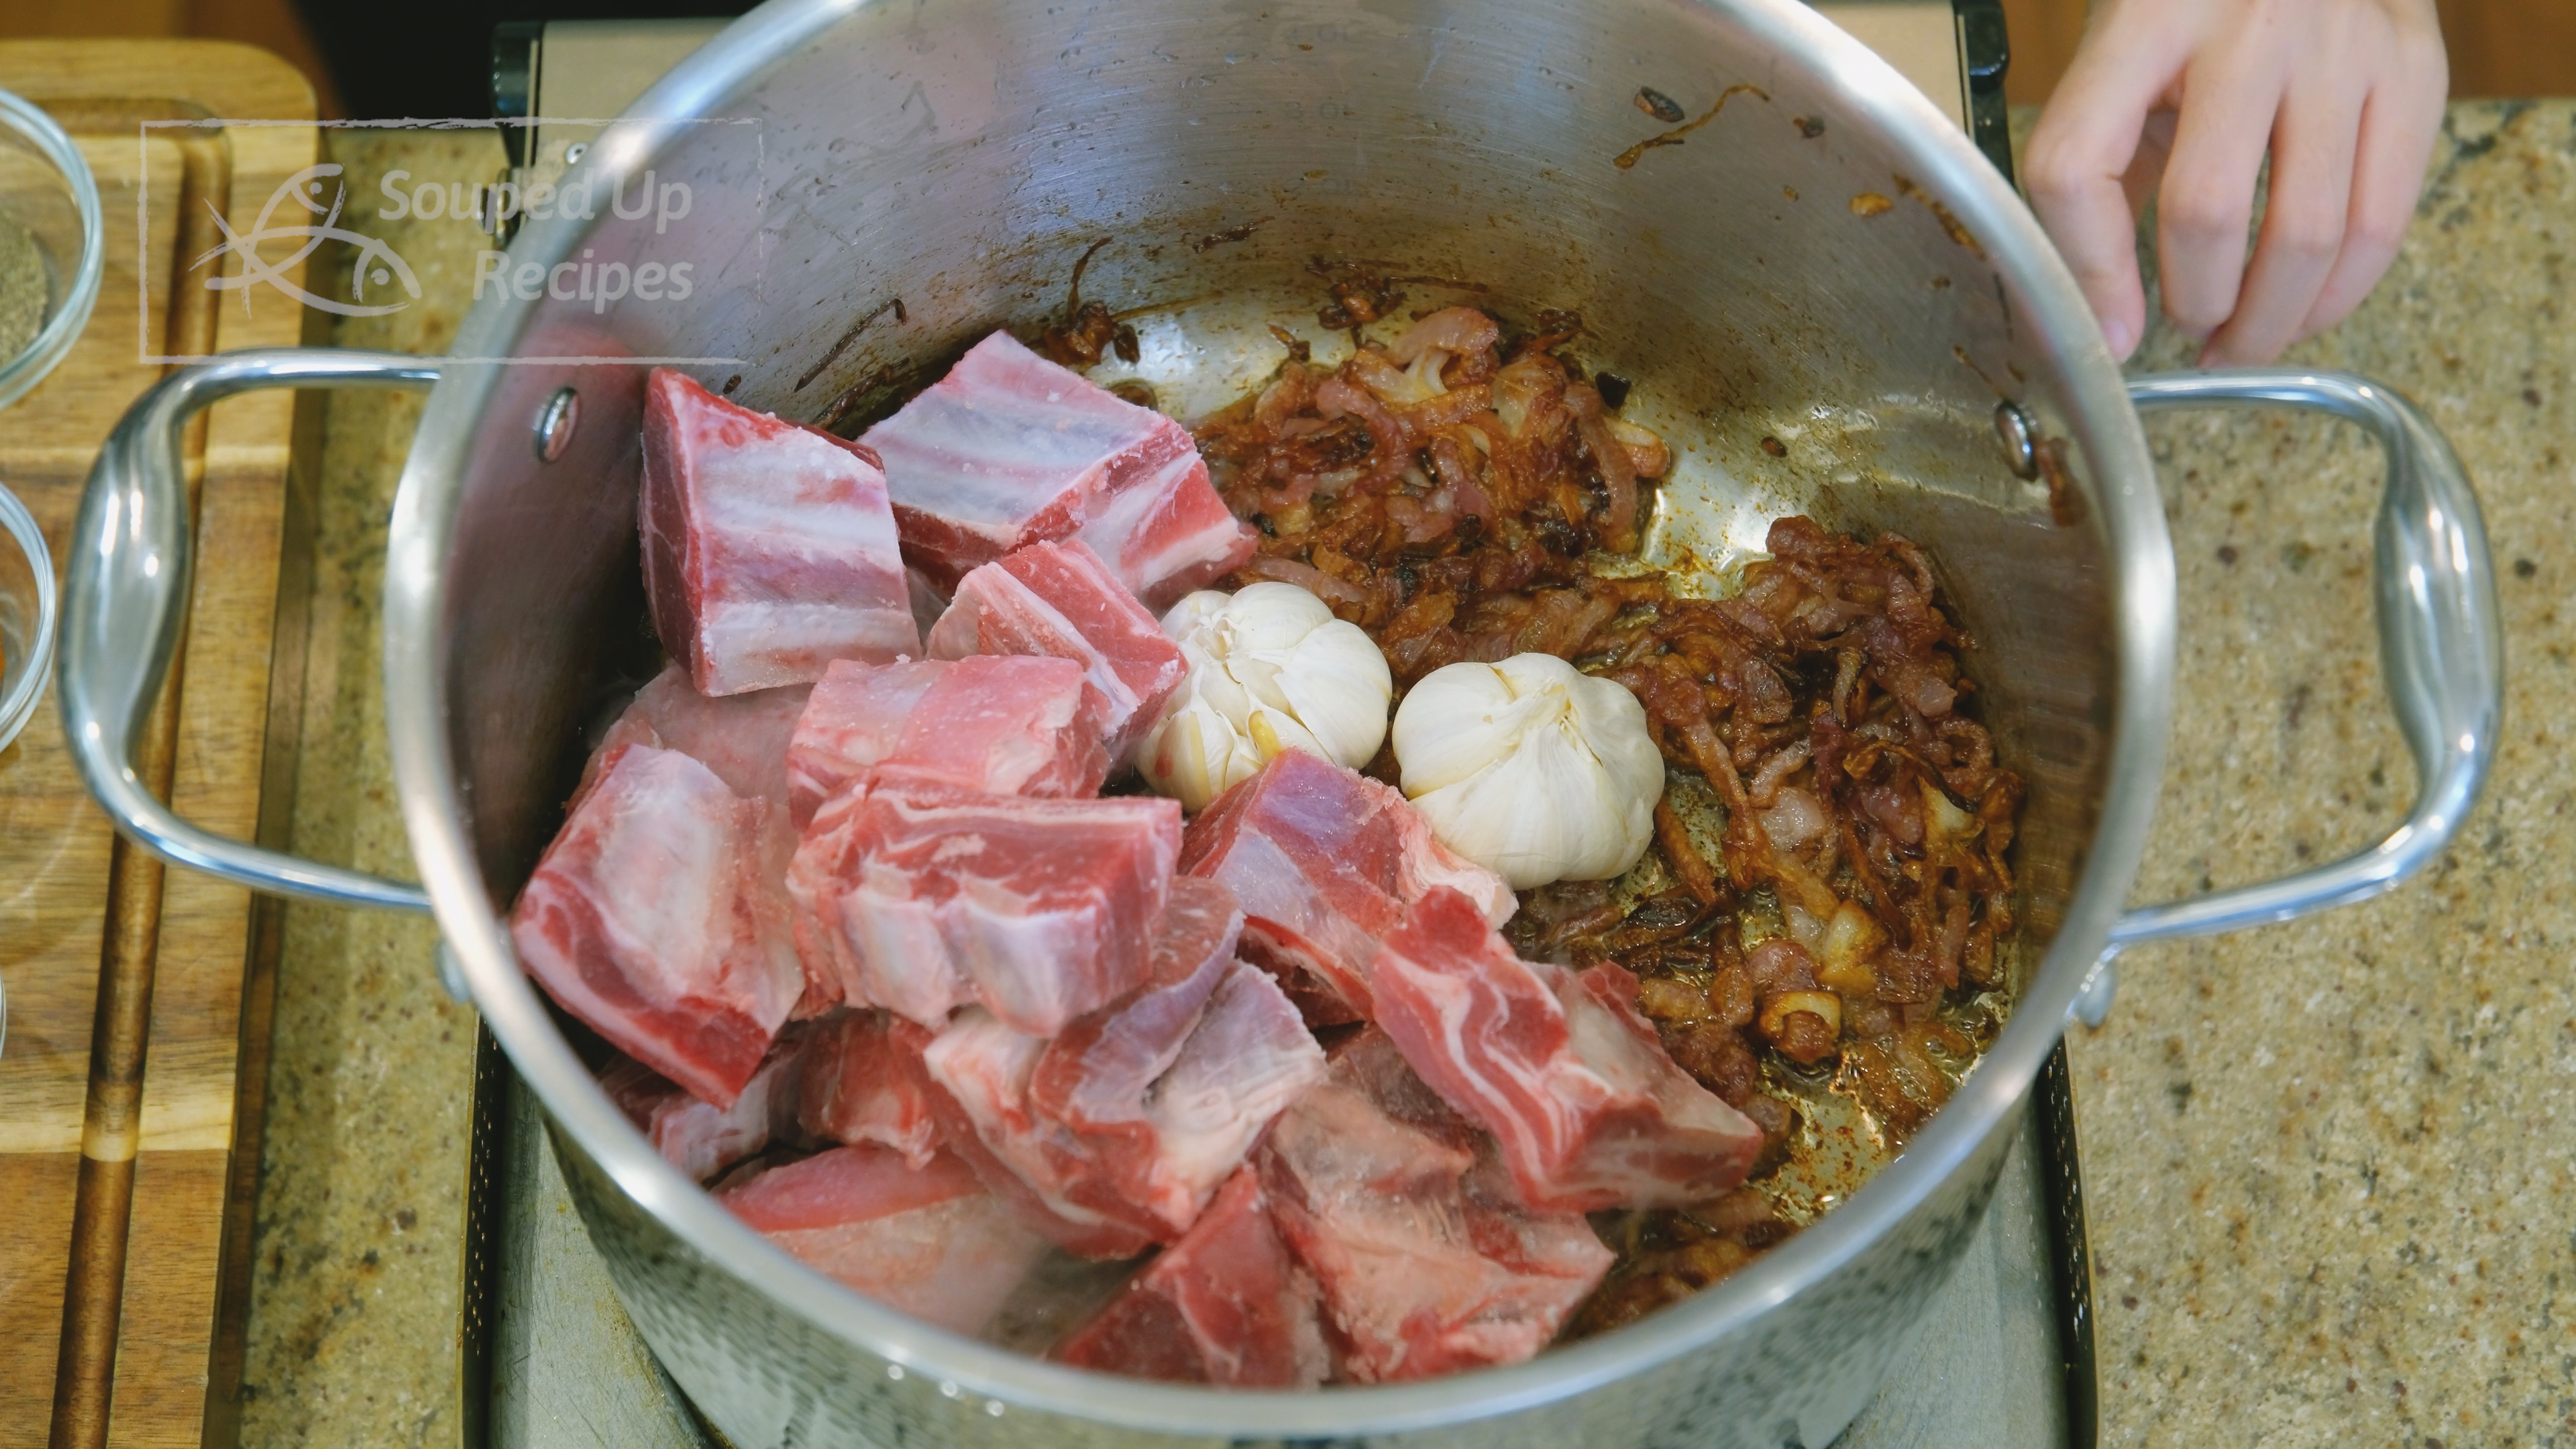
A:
124,1064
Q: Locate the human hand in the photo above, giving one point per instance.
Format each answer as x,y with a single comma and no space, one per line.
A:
2179,99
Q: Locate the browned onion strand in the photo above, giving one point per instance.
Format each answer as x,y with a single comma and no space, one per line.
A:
1455,492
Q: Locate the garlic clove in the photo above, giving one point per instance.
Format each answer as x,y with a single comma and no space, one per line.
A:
1337,682
1271,731
1614,727
1194,754
1193,613
1452,724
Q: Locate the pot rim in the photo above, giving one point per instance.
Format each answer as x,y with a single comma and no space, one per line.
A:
2138,561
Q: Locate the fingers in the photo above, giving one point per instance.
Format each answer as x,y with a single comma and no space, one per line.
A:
2398,124
2231,98
2079,152
2313,144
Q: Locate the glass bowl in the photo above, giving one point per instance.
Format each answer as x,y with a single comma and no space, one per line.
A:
53,245
26,616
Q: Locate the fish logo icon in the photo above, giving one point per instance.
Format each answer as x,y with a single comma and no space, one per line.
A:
375,263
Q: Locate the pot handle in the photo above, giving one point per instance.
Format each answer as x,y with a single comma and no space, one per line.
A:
2441,649
127,591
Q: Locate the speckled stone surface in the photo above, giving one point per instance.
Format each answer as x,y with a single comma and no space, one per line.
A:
2328,1165
352,1336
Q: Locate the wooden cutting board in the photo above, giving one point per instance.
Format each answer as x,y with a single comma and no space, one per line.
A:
128,1103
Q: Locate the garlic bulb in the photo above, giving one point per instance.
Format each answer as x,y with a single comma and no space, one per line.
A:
1531,768
1270,668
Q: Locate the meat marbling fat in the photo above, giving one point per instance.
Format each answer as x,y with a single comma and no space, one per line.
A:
1059,599
769,548
1008,449
1425,1261
647,919
1002,724
1589,1110
1327,863
1123,1126
923,898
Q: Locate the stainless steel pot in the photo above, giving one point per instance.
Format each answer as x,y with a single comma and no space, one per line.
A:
1826,262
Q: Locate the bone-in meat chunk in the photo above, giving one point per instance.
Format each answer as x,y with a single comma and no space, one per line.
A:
1060,600
1326,863
863,1082
1226,1305
1249,1057
769,548
1169,534
1589,1110
1062,1124
1002,724
1009,449
743,739
927,1241
922,899
700,1138
645,918
1426,1262
982,1068
1094,1076
1126,1124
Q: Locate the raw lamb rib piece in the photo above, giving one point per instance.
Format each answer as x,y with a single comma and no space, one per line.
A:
646,919
1059,599
1226,1305
982,1068
1127,1123
1009,449
863,1082
1589,1110
923,898
769,548
702,1139
743,738
1249,1058
1002,724
1095,1074
1169,534
928,1241
1426,1261
1326,863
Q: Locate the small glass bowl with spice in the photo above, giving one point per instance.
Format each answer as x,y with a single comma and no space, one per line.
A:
26,638
53,245
26,618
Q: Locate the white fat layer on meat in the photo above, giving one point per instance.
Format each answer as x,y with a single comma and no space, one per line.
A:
762,492
1014,953
1006,432
1096,666
903,961
1248,1058
788,641
667,870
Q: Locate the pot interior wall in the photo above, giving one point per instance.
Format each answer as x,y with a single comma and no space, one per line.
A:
926,172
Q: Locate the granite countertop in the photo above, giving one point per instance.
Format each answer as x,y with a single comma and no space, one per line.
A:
2327,1164
2328,1185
